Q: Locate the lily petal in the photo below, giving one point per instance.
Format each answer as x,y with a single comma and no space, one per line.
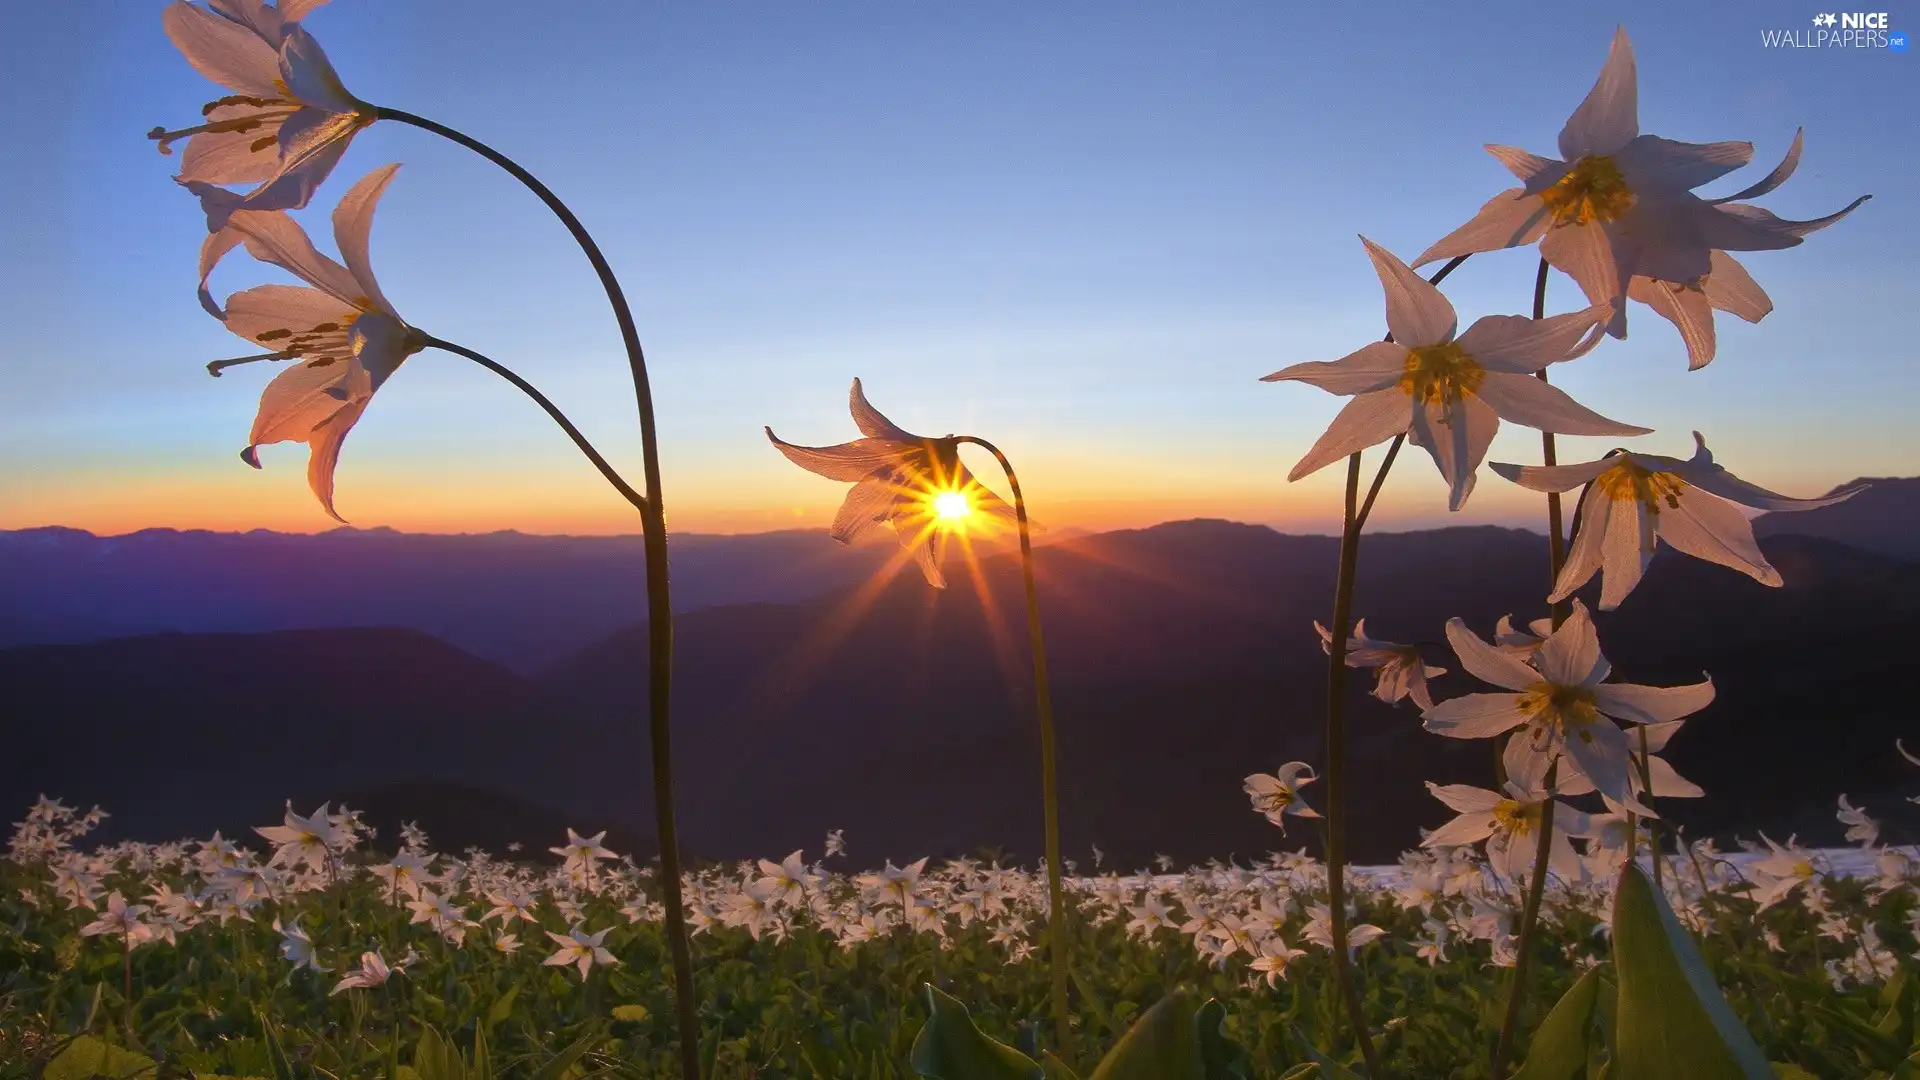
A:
1368,420
1486,662
1526,400
1609,118
1510,219
1417,313
352,226
1475,716
1652,704
1372,367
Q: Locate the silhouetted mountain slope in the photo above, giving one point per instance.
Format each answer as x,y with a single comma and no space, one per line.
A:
186,733
519,600
1183,658
1884,518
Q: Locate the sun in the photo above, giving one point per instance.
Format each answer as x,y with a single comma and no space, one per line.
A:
952,507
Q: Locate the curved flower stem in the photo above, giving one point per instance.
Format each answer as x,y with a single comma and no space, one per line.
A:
613,477
653,525
1537,888
1353,520
1049,792
1646,796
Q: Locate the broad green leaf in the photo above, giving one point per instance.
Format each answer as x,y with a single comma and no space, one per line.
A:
435,1059
1866,1038
1056,1069
1304,1071
1672,1022
1329,1068
950,1047
1223,1058
1164,1044
1559,1047
1785,1071
630,1012
502,1007
89,1056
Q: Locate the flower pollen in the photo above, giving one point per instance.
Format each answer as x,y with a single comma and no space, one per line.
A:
1559,705
1440,374
1632,480
1593,190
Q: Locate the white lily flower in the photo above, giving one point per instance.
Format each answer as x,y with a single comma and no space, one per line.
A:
1272,959
1662,781
1726,286
308,840
909,483
373,971
1447,395
583,851
285,126
1564,706
1400,672
1277,794
1635,500
1509,823
346,336
297,947
122,920
581,950
1619,204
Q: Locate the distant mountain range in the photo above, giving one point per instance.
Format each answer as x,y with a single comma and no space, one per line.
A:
1183,657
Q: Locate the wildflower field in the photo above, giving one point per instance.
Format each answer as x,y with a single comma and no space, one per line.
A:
1556,927
323,955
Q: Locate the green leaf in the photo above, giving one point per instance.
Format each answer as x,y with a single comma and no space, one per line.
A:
502,1007
1865,1038
1672,1022
1329,1068
557,1066
950,1047
1056,1069
1784,1071
89,1056
277,1053
1222,1058
1163,1045
630,1012
435,1059
1559,1047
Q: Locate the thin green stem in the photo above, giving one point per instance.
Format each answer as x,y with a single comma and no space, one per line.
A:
1646,797
613,476
1057,916
1353,521
1537,888
653,524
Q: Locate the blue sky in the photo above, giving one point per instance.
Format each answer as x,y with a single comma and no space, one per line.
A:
1080,230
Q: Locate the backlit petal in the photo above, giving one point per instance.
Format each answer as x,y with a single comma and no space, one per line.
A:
1464,798
1475,716
1708,527
1687,309
1457,437
1652,704
1651,163
1584,556
1773,179
856,460
1584,253
1552,477
1524,399
352,226
1571,654
1469,828
1731,289
223,50
272,236
1417,313
1517,344
1609,118
1486,662
1627,550
1367,420
870,422
307,72
1372,367
1510,219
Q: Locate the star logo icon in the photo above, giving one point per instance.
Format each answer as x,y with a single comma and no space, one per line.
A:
1824,20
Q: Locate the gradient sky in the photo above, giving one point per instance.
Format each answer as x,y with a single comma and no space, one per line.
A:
1082,230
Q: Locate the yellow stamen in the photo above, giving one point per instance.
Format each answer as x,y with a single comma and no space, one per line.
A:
1441,374
1593,190
1516,818
1566,708
1632,480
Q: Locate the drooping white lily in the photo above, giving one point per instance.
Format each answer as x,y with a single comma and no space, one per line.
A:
1399,670
1277,794
1563,706
1726,286
286,124
1861,829
1447,394
373,971
298,840
1509,822
1662,781
1634,500
347,338
909,483
297,947
122,920
1618,204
